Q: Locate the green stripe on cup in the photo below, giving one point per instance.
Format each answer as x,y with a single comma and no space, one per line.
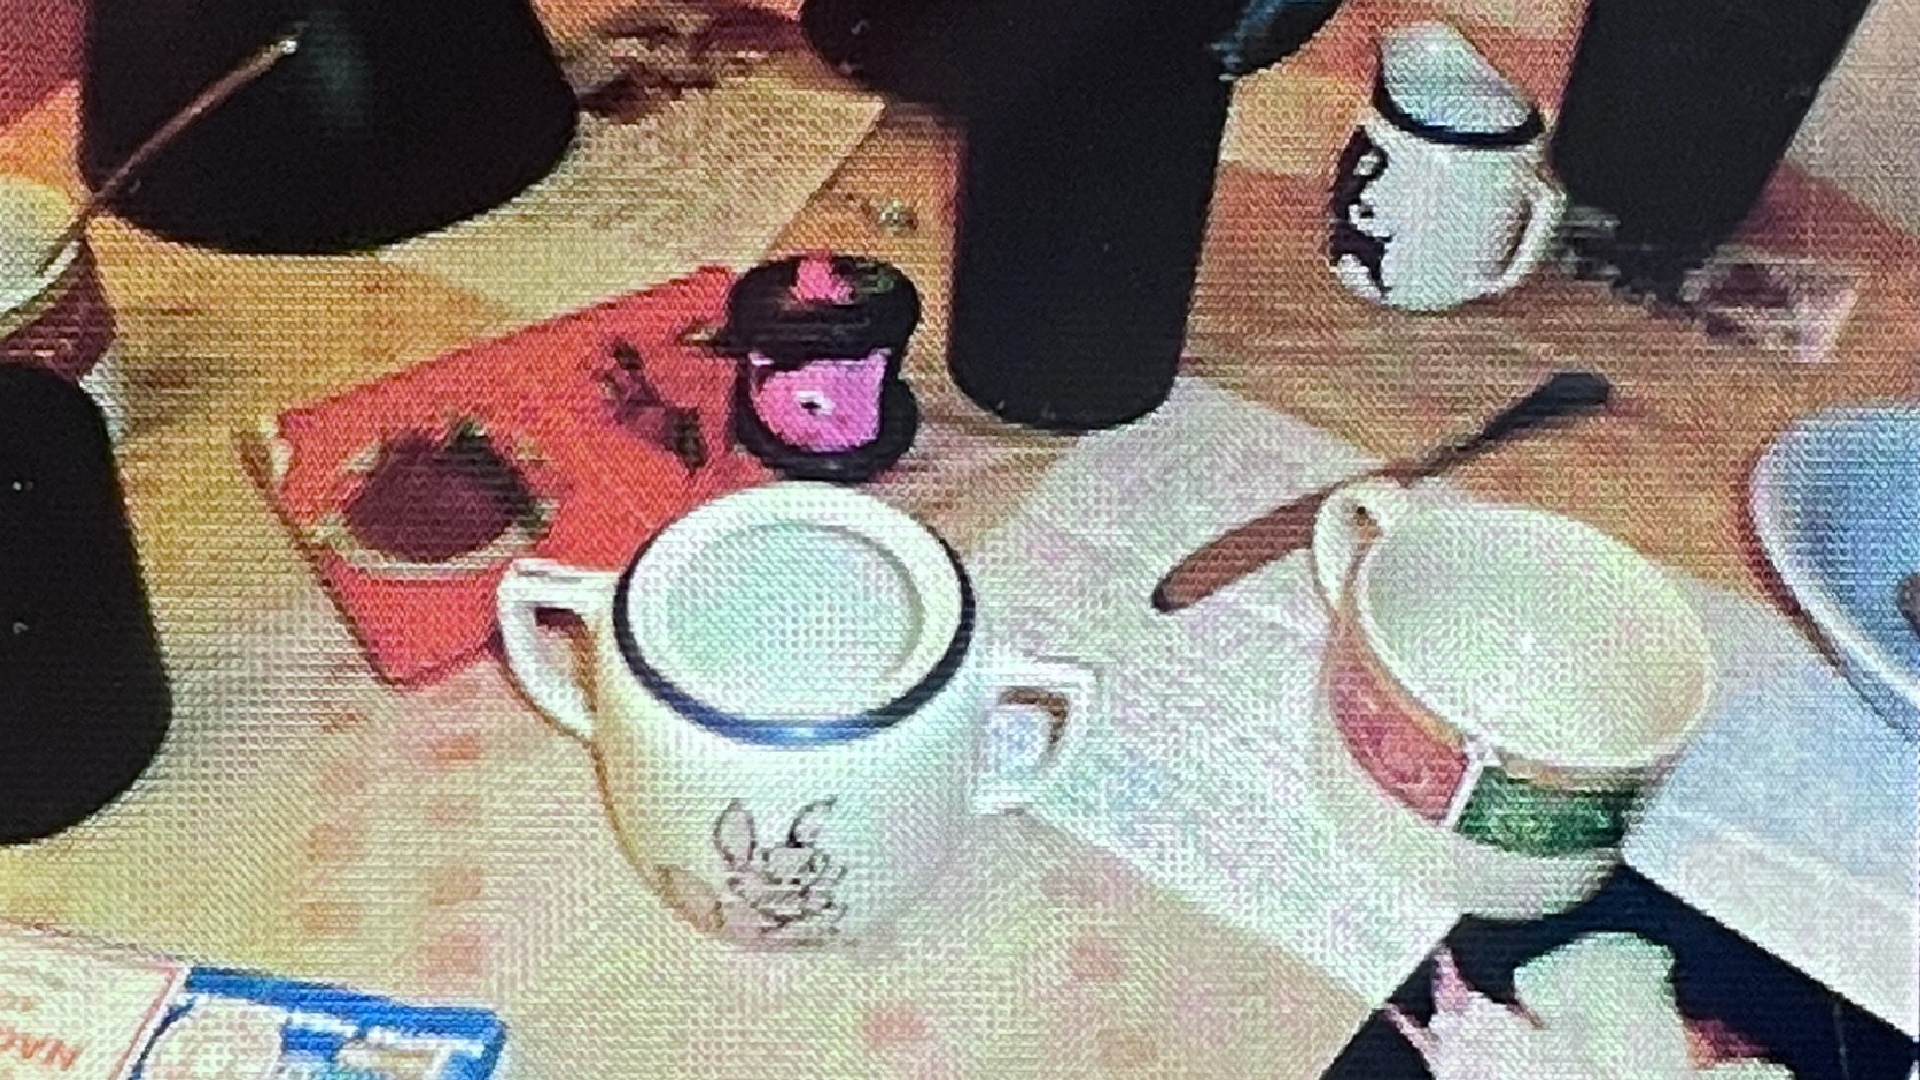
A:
1514,815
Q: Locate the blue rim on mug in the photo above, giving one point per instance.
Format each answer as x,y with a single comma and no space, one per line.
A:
788,733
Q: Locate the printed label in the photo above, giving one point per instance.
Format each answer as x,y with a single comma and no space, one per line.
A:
1390,737
73,1011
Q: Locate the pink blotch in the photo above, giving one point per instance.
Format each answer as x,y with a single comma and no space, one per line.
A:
450,885
1092,958
452,744
894,1025
335,841
455,955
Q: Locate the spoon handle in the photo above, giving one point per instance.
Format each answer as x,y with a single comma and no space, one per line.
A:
1565,394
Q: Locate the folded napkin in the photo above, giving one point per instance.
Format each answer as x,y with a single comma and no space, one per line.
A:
602,479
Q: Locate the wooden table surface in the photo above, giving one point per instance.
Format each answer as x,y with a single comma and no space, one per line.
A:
215,342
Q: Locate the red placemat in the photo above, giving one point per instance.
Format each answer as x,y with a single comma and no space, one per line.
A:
540,394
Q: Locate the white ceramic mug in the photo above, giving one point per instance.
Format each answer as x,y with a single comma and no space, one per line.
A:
1510,681
1440,197
793,707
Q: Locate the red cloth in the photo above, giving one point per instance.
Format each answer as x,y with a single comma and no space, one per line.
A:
539,390
39,50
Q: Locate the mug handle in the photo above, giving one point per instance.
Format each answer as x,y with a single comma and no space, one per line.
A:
533,585
1336,530
1545,203
1026,740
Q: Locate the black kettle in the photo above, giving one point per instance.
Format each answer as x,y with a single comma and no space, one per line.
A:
393,117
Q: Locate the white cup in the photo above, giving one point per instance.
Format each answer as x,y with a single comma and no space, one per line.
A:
1501,687
794,708
1440,196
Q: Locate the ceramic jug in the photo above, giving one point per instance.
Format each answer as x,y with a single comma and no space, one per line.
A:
1440,196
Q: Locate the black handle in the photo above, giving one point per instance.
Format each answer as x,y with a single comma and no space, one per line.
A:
1564,394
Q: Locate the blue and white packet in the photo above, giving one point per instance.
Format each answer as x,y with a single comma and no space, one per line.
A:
234,1025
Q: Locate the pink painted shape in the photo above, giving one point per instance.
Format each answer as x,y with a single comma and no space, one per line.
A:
815,282
1092,958
456,955
826,406
451,885
1384,738
895,1025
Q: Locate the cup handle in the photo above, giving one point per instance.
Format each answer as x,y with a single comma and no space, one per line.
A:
529,587
1038,706
1545,203
1336,530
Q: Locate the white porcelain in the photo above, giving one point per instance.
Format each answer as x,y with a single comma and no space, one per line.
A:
1836,506
1532,640
1441,195
794,709
31,217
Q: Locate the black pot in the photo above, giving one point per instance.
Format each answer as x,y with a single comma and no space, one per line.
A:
84,703
393,118
1676,113
1092,133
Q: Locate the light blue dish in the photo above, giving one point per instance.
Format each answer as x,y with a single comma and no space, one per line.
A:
1836,503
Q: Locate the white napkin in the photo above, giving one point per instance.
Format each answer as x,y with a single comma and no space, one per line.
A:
1198,775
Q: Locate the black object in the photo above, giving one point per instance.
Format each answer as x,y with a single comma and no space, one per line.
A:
899,423
1564,394
394,117
84,702
1092,135
787,314
1717,975
1675,114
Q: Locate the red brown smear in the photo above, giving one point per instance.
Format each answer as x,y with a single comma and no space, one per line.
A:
431,500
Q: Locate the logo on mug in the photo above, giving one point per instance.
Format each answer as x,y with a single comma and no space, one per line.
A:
1353,232
784,892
